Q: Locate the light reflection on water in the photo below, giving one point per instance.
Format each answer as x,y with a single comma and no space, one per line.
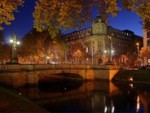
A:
99,97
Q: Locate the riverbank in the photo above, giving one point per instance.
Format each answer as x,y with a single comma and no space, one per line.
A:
13,102
133,76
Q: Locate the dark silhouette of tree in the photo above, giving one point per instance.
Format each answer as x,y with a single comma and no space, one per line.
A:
5,53
3,47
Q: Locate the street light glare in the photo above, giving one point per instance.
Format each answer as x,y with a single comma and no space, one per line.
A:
48,57
137,44
109,37
18,43
112,51
11,40
14,42
105,51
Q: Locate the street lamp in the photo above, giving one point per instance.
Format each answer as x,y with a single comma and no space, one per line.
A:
48,58
138,47
110,53
138,53
14,42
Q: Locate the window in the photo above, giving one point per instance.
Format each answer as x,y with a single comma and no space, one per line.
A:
148,34
148,42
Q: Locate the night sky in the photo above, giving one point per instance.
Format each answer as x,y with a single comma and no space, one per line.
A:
23,22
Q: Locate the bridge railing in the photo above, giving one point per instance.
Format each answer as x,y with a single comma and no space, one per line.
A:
19,67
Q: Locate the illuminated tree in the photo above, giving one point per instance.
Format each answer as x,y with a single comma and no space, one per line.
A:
57,47
144,13
53,15
77,51
36,46
142,8
145,52
62,14
33,46
7,7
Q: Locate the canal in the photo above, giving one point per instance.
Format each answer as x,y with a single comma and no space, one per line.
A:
91,97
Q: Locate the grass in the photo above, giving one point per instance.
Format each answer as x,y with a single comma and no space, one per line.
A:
13,102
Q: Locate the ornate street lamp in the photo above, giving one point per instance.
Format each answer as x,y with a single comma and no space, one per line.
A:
14,59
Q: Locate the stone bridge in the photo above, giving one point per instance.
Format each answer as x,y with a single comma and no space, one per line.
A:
16,75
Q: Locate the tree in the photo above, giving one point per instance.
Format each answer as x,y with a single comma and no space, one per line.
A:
36,46
62,14
1,44
57,46
33,46
53,15
144,13
5,53
7,7
1,38
142,8
145,52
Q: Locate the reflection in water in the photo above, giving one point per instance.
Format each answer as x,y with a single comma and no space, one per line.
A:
137,103
92,97
108,104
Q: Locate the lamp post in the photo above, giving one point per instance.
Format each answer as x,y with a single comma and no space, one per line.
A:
48,58
138,47
138,53
14,42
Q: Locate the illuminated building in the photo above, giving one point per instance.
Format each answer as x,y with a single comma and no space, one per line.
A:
146,44
100,42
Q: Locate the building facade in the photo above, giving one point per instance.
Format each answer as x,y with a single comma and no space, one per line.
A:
101,43
146,46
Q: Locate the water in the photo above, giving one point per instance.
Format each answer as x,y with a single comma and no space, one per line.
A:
92,97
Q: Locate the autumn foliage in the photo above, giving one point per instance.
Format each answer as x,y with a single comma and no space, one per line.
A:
53,15
145,52
63,14
37,46
7,8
